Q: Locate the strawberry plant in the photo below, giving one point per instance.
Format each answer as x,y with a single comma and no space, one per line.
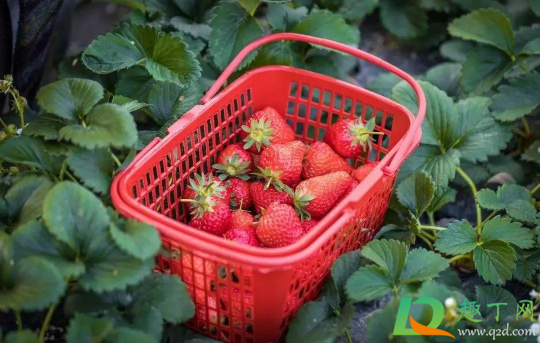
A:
465,203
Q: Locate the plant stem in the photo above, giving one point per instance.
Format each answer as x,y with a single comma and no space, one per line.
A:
116,160
62,170
491,215
4,124
458,257
526,126
474,191
348,334
530,284
427,241
18,319
429,227
535,189
428,235
46,322
71,177
431,217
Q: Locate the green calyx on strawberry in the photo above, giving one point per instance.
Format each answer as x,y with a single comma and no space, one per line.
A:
233,167
204,186
259,134
300,202
271,178
202,205
362,133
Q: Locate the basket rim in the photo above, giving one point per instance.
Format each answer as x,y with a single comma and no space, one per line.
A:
261,257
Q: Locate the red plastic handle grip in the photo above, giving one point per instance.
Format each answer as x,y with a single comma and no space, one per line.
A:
409,138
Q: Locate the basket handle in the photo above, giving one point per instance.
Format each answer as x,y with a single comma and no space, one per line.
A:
413,135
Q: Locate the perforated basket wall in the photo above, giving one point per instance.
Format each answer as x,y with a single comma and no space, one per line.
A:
245,294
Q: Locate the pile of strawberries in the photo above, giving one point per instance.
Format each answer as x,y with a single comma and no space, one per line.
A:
272,189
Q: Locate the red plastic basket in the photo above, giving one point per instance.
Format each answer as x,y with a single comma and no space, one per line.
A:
243,293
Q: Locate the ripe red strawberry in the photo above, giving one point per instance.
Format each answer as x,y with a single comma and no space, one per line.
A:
307,225
241,220
203,186
349,138
279,226
210,214
315,197
351,188
283,162
321,159
245,236
234,161
360,173
264,128
238,190
262,198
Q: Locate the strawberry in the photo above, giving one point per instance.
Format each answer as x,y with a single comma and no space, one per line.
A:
263,197
234,161
283,162
210,214
351,188
349,138
238,190
360,173
203,186
243,236
279,226
241,220
315,197
321,159
307,225
264,128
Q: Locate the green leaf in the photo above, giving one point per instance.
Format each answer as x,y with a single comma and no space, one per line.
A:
495,261
390,255
532,47
84,328
515,199
328,25
380,325
232,29
532,153
384,83
343,268
6,255
403,20
518,98
416,193
177,307
458,238
133,4
137,239
32,284
196,30
446,77
149,321
441,198
70,98
487,26
441,167
369,283
170,101
356,10
535,6
127,103
93,167
439,125
479,135
527,265
24,199
45,126
135,83
250,5
485,67
74,215
500,228
486,295
25,150
423,265
106,125
506,164
33,239
21,336
456,50
165,56
284,18
126,335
